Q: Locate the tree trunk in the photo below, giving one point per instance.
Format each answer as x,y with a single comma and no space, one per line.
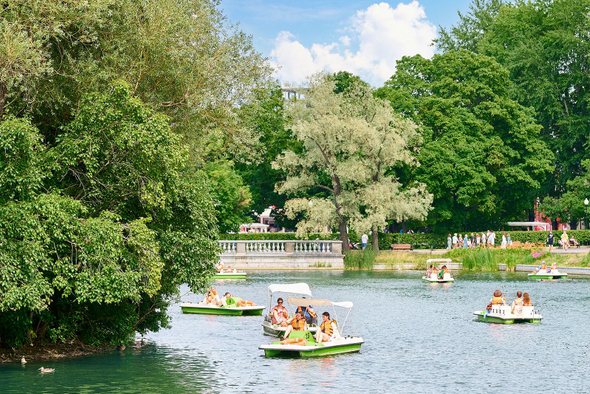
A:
3,92
343,235
375,239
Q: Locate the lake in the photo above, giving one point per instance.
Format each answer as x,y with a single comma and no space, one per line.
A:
419,338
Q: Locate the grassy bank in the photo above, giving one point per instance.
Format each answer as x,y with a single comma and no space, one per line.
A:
472,259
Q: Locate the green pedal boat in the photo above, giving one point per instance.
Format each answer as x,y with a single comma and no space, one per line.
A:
208,309
311,348
501,314
230,275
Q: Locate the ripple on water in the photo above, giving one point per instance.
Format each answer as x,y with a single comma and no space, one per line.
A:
419,338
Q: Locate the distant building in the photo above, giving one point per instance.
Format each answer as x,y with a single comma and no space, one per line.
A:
294,94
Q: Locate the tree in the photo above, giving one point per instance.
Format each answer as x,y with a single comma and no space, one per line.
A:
482,158
350,142
544,45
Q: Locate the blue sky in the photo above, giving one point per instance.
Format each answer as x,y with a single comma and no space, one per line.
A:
363,37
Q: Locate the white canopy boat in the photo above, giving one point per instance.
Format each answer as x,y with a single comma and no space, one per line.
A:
434,278
300,289
307,346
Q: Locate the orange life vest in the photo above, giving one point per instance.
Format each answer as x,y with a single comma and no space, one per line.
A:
543,266
529,303
326,328
211,295
298,324
498,300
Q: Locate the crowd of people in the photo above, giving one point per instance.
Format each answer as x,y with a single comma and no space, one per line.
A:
477,240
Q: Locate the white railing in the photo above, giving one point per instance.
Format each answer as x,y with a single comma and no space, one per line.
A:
281,247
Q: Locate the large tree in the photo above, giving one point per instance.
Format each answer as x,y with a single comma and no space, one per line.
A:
482,156
351,141
545,46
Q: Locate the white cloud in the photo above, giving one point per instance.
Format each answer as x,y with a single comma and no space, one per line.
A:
383,34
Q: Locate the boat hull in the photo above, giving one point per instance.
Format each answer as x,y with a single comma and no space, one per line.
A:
200,309
547,276
429,280
232,275
337,346
510,319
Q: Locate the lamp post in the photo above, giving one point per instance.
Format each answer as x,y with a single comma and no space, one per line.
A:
586,204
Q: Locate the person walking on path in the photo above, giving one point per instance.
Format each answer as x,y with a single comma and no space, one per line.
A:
364,240
449,241
565,241
550,240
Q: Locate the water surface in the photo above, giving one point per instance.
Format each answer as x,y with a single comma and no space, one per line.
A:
418,338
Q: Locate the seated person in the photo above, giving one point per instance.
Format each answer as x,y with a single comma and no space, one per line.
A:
219,267
553,267
444,270
526,300
279,312
517,304
310,316
232,301
430,271
497,299
297,323
212,297
328,329
573,241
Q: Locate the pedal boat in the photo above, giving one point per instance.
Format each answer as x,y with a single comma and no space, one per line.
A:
208,309
300,289
230,275
350,344
339,345
501,314
433,278
547,274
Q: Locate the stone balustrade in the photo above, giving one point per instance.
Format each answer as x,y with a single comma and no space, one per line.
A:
282,254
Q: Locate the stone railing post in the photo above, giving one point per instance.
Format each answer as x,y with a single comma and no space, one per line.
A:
241,247
289,247
337,247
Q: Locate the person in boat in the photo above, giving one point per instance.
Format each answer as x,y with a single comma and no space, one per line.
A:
212,297
497,299
236,301
296,323
219,267
444,270
279,313
328,329
516,307
430,271
526,300
310,316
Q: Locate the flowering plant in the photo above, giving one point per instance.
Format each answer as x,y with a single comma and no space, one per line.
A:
536,254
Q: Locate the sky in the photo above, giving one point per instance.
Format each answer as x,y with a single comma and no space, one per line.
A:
365,38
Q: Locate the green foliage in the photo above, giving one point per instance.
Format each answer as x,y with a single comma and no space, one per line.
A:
277,236
357,259
483,259
350,142
231,195
482,158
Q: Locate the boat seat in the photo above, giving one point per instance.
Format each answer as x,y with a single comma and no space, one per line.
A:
308,336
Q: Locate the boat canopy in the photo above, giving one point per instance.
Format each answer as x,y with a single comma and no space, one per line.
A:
316,302
293,288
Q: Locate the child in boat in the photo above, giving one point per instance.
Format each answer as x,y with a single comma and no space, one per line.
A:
219,267
553,267
236,301
517,304
429,271
279,313
526,300
497,299
297,323
328,329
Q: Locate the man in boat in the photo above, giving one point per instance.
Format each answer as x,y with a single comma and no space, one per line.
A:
497,299
219,267
297,323
328,329
279,313
310,316
212,297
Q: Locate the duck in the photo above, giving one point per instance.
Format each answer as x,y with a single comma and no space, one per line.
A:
46,370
